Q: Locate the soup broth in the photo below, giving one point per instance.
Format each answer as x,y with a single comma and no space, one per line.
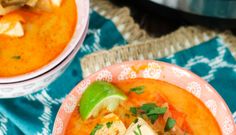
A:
46,34
190,113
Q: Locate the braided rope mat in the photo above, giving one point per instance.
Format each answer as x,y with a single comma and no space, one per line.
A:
142,46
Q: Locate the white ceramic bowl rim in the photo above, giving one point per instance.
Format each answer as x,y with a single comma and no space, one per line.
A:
82,19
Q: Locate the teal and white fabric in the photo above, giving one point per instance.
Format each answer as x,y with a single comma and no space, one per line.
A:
212,61
35,113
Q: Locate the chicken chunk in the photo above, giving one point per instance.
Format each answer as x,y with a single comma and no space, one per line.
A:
32,3
140,127
5,10
11,25
6,3
112,125
7,6
56,2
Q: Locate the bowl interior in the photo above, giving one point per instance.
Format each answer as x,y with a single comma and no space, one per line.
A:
82,19
153,70
13,90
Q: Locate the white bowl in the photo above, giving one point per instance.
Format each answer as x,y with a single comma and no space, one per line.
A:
82,19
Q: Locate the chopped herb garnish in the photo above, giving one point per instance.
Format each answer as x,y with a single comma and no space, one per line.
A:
142,115
147,107
136,120
170,123
17,57
137,90
133,110
135,132
109,124
127,115
150,111
139,131
157,110
153,118
96,128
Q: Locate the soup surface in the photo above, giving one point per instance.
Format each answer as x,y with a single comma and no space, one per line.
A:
191,115
46,34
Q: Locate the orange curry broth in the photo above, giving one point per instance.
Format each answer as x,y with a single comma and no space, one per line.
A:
46,35
196,118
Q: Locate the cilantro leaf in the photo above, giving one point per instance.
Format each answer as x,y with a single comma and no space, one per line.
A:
137,90
170,123
133,110
153,118
136,120
139,131
17,57
127,115
147,107
149,110
157,110
109,124
135,132
96,128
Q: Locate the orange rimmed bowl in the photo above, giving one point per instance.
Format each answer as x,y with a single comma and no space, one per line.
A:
153,70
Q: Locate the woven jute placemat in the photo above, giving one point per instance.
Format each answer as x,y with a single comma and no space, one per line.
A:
122,19
141,45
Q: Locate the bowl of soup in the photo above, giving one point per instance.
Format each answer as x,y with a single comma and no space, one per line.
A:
143,98
38,35
26,87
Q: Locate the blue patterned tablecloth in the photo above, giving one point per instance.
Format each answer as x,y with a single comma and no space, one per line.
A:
35,113
213,62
